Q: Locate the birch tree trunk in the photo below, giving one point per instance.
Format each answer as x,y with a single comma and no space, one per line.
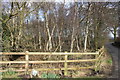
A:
74,27
72,40
87,26
49,43
78,48
40,46
86,37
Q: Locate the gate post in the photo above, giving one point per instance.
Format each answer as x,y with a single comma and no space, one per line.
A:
65,64
27,62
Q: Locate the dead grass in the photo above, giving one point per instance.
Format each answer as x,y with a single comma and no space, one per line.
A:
106,64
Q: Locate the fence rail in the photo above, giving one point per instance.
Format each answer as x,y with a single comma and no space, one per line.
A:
47,53
65,61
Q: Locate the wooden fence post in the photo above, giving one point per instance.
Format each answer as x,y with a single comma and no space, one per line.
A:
27,61
96,62
65,65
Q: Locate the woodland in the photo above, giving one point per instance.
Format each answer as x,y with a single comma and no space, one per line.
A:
57,26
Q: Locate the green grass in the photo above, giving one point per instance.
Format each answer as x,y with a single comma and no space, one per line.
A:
49,75
9,74
109,61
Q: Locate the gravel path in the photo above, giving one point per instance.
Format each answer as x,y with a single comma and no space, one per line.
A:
114,51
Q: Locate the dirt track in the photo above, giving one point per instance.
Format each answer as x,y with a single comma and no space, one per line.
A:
114,51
